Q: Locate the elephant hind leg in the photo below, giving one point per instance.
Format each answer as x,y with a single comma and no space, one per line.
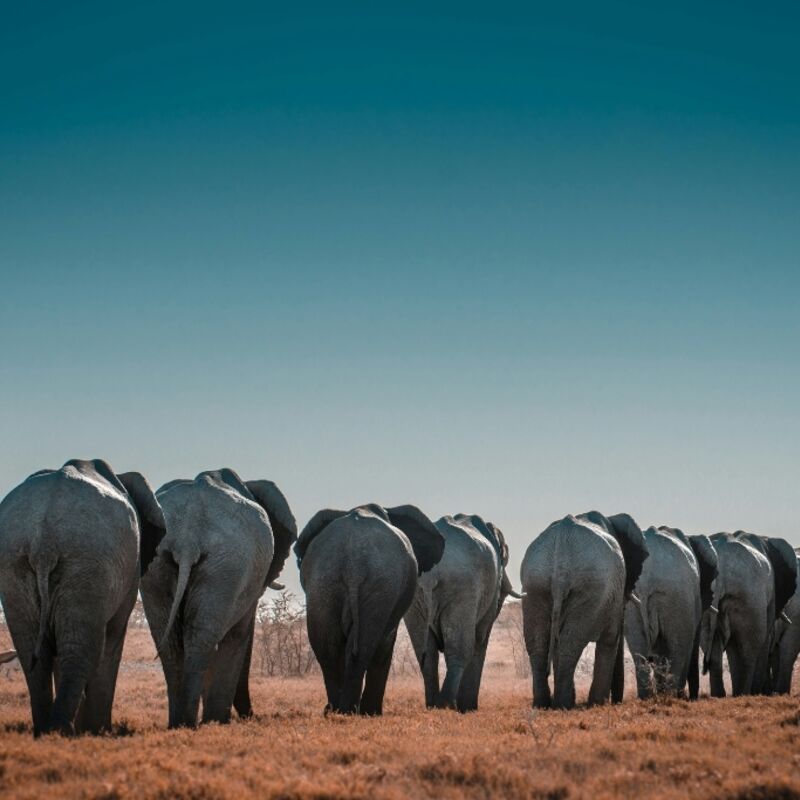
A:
536,622
693,673
241,699
471,680
225,671
430,669
377,675
40,689
605,660
94,715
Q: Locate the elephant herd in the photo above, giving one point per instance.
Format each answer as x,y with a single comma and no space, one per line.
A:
78,544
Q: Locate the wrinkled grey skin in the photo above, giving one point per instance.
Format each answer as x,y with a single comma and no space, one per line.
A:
740,619
576,576
226,541
359,571
69,545
662,619
455,607
787,640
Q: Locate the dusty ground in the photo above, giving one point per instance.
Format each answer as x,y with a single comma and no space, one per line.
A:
743,748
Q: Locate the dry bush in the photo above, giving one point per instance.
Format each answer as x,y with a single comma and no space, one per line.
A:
281,644
510,623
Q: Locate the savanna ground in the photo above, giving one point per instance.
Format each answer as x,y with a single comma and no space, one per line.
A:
746,748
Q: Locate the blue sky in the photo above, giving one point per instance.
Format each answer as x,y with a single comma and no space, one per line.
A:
522,262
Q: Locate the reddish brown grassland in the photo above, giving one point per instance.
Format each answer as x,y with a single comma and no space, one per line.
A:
746,748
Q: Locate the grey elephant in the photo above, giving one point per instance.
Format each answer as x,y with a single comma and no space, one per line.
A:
783,562
226,541
359,571
738,622
757,578
786,646
454,609
576,577
662,618
69,546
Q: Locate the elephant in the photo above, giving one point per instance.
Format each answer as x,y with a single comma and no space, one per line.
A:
662,618
454,609
787,640
359,571
576,577
226,541
739,620
783,561
69,546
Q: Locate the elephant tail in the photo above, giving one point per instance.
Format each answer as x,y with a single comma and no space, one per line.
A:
185,565
43,570
555,620
352,634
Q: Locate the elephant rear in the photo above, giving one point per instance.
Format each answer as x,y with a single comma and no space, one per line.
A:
359,571
68,575
574,578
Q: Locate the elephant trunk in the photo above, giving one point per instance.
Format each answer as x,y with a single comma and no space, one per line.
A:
507,589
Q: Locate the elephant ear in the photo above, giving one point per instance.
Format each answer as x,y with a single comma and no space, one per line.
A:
501,541
708,564
313,528
151,518
284,526
784,570
634,549
426,541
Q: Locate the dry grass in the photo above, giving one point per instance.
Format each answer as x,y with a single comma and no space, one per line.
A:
743,748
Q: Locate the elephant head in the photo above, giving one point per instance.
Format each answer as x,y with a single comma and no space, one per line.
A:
630,540
426,541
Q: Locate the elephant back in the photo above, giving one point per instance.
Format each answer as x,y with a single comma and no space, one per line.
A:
487,530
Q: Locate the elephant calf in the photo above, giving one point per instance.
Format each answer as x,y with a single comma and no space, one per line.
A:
454,609
576,577
69,543
359,571
226,541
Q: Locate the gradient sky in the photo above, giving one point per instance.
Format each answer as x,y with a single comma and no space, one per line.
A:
520,264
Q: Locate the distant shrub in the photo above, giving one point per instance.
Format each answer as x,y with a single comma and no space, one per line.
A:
510,622
281,643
